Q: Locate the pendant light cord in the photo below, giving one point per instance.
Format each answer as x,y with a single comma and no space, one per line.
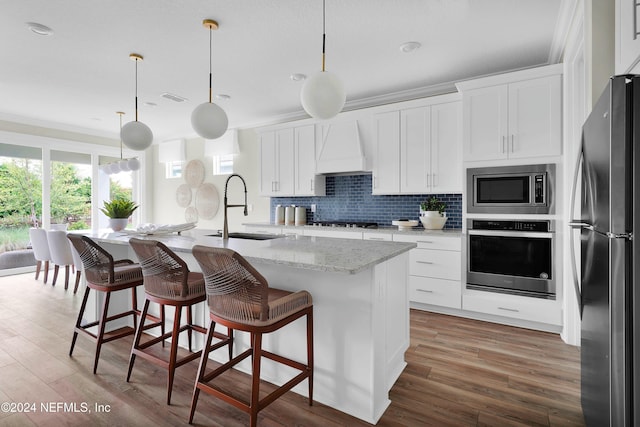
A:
210,74
120,114
136,89
324,35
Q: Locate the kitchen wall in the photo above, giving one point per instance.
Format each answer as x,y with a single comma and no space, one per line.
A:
349,198
166,209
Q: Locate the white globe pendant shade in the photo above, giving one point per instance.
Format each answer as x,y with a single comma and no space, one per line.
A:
114,168
134,164
105,168
323,95
209,120
136,135
124,165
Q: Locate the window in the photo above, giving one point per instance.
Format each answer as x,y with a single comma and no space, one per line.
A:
174,169
223,165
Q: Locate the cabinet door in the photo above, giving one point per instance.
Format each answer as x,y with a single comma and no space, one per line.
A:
268,165
415,150
386,169
535,117
627,35
306,182
485,123
446,148
284,162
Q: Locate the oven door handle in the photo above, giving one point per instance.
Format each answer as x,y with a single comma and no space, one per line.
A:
502,233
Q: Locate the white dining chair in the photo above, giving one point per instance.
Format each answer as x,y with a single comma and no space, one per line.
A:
40,245
77,262
60,254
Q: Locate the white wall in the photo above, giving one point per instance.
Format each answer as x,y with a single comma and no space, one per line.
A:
599,18
166,210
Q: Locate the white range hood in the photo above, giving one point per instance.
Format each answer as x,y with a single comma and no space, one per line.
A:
340,148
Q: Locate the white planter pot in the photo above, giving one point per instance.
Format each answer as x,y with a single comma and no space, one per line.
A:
118,224
432,220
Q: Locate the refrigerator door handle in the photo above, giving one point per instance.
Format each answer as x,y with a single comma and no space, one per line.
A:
576,224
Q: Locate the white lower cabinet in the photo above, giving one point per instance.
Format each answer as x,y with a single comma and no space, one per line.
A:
435,270
517,307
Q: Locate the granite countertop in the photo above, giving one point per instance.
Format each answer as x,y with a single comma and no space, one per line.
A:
313,253
386,229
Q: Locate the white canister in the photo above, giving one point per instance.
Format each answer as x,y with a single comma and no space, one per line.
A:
279,215
289,215
301,215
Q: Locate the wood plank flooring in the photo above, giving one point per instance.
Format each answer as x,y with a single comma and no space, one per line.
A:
460,373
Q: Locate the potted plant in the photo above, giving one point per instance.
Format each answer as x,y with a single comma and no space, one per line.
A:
118,211
432,214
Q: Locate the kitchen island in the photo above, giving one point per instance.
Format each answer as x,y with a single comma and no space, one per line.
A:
361,310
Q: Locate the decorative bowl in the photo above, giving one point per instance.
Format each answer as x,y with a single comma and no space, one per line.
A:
405,224
433,222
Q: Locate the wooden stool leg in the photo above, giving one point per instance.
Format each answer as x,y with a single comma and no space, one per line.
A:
66,277
136,340
38,267
79,321
230,335
78,274
46,271
101,326
201,371
189,322
162,319
255,379
174,351
310,354
55,274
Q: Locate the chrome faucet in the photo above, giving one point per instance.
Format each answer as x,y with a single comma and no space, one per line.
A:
225,230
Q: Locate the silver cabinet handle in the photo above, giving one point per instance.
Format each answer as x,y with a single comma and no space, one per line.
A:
503,143
375,238
509,309
312,183
434,181
424,262
513,143
425,291
425,241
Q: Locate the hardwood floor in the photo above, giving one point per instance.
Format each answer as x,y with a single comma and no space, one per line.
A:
460,373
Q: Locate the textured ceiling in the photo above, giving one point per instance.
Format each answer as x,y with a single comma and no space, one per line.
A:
81,75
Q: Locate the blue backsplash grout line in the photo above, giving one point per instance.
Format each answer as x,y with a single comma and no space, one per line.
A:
349,198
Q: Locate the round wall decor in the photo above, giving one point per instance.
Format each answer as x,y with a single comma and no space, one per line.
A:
207,200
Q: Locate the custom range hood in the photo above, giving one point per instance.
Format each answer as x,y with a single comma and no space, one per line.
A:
340,148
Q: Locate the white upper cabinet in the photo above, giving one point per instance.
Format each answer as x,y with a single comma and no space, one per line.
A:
276,163
627,36
386,158
287,163
418,149
307,183
514,120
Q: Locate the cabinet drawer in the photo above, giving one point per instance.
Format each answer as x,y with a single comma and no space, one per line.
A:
437,264
525,308
384,237
430,241
447,293
333,233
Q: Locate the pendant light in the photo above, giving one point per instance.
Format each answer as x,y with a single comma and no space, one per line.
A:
136,135
322,94
122,165
208,119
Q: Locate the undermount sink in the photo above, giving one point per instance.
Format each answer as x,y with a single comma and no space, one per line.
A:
249,236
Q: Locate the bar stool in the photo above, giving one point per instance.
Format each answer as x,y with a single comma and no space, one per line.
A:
103,274
168,281
240,298
60,251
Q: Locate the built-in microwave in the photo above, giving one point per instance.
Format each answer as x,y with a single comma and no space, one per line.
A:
525,189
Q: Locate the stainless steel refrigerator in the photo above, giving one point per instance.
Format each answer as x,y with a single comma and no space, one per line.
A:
608,289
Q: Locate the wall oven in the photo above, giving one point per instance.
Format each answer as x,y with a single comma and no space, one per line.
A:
508,256
525,189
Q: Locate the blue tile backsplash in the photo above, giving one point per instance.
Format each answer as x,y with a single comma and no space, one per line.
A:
349,198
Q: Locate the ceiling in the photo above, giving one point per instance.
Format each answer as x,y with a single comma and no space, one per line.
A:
78,77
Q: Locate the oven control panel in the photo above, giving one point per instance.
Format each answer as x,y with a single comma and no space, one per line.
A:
510,225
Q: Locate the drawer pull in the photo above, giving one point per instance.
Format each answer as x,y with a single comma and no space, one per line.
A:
424,290
509,309
424,262
375,238
425,241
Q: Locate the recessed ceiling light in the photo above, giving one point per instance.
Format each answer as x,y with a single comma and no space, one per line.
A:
222,97
39,29
150,104
409,47
173,97
297,77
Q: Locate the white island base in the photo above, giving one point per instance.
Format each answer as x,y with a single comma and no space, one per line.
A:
361,329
